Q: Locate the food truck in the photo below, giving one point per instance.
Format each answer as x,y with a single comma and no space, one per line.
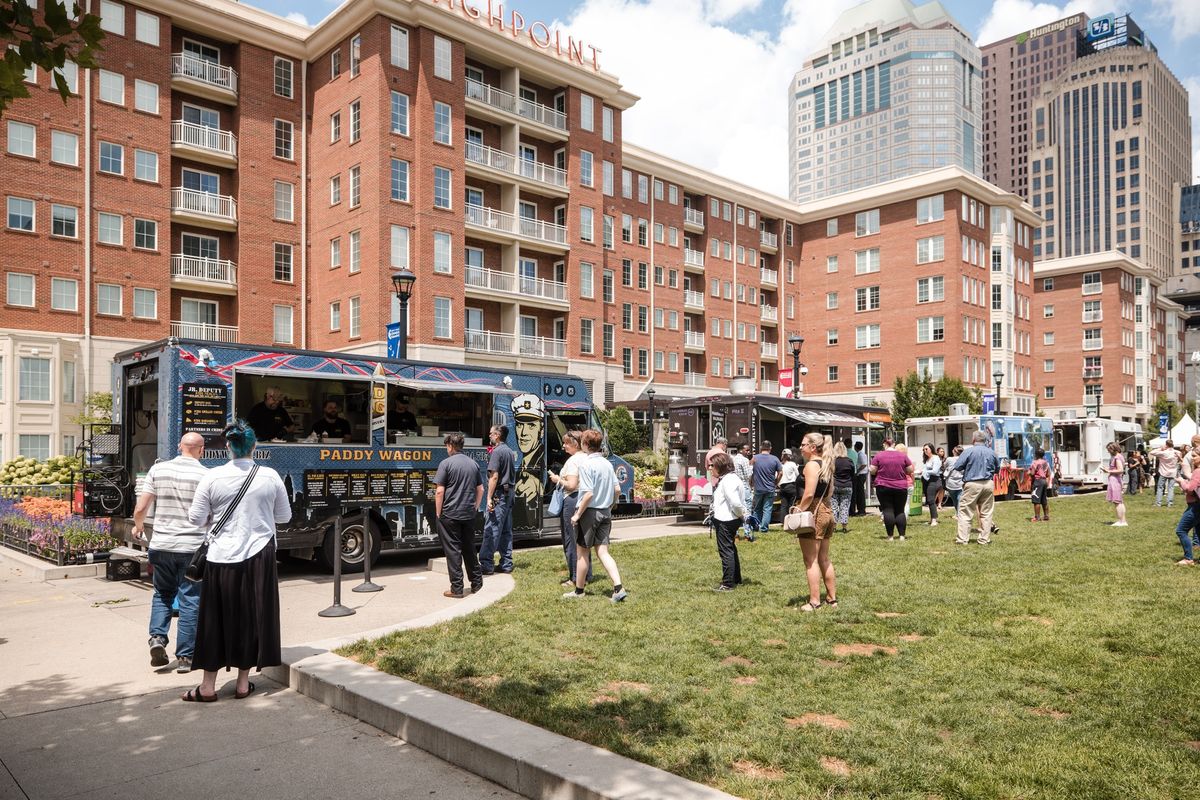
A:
1014,440
1082,448
345,432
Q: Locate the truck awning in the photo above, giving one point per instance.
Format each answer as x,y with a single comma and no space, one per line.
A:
449,386
814,417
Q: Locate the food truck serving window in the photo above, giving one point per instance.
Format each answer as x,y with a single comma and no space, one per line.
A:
422,412
289,408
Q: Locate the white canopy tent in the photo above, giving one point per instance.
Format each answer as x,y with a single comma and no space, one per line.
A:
1182,433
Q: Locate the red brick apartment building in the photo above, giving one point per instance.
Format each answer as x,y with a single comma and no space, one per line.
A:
228,175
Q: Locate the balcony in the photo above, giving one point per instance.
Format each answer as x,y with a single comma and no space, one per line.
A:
693,219
1093,373
1093,344
1093,316
543,347
487,283
768,387
1093,288
693,299
693,379
769,277
202,143
693,258
768,241
770,350
228,334
204,208
502,106
540,176
768,313
208,274
693,340
491,342
503,227
195,75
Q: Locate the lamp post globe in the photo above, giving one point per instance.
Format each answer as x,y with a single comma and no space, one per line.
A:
998,377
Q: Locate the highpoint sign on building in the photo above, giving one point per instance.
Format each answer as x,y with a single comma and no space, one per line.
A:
491,14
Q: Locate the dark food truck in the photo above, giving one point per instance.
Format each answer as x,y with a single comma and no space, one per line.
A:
379,445
695,424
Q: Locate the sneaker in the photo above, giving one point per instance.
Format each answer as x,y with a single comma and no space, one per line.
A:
902,538
1120,524
568,583
619,596
890,540
158,651
184,665
571,594
720,587
933,523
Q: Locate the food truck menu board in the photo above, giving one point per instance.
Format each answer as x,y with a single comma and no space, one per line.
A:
205,409
330,488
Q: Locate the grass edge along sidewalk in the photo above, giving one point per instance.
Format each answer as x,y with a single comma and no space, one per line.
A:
1056,662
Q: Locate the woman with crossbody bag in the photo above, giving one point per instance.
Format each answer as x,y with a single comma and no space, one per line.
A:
238,624
814,544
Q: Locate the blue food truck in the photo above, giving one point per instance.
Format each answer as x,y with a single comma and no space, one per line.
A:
345,432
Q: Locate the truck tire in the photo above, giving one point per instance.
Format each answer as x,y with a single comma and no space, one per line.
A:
351,546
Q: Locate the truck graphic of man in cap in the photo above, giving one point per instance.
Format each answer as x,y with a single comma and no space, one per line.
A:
529,417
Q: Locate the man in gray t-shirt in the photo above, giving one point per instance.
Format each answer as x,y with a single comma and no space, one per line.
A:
459,493
497,525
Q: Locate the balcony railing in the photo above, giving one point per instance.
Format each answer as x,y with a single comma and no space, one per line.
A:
770,276
768,239
693,379
477,341
1093,344
496,281
770,350
208,270
204,331
1093,288
214,140
769,313
514,165
543,347
506,101
693,258
1093,316
693,216
693,339
768,387
691,298
1093,373
485,217
186,65
192,201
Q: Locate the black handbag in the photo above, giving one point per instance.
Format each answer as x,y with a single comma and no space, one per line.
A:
195,567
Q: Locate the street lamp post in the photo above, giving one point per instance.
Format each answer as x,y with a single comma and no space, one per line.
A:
1196,368
796,341
998,376
650,398
402,285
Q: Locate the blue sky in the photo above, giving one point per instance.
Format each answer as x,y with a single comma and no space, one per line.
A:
728,62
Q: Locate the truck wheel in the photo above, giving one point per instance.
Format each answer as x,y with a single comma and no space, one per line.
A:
351,549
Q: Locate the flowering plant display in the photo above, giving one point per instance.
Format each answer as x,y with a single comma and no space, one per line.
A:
45,527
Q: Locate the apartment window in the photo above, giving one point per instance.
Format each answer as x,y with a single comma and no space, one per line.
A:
145,234
335,190
283,262
930,209
283,324
441,187
355,251
283,201
112,17
643,319
400,113
586,178
586,224
930,290
108,299
1048,338
643,361
335,63
831,227
335,316
997,335
585,336
145,303
608,335
70,73
145,166
1047,284
607,123
607,231
112,87
22,139
866,222
64,221
68,384
1093,338
932,248
607,177
1048,365
335,126
586,279
442,58
112,158
627,360
399,247
627,316
587,112
866,298
866,261
997,297
441,317
831,263
283,79
355,317
110,228
335,252
399,180
355,121
64,148
1049,392
64,294
867,374
643,184
831,300
442,245
20,214
934,366
1048,311
355,54
20,290
399,47
831,373
145,96
866,336
355,186
931,329
283,139
441,123
607,287
1092,283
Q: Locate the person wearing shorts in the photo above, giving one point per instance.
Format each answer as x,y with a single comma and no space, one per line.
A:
1039,473
818,488
593,516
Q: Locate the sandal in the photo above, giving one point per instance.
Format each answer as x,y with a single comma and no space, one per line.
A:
809,607
831,603
243,695
196,696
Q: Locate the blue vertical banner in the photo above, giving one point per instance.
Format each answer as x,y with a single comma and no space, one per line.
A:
989,403
1164,425
393,340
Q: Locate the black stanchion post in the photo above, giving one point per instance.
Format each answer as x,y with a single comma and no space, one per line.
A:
337,609
367,585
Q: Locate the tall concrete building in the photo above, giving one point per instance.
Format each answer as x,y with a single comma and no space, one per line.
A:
1014,70
1111,138
894,90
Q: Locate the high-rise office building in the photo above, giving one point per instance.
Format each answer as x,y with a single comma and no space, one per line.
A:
894,90
1014,70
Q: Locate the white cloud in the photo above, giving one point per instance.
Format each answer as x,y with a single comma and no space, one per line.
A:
1183,17
297,17
710,96
1010,17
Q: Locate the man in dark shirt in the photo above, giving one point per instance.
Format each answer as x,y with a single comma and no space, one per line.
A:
400,418
765,470
269,419
331,425
459,492
497,526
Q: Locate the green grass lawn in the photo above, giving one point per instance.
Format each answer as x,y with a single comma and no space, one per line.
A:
1060,662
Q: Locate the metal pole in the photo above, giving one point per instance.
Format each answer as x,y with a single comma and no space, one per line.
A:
795,374
367,585
337,609
402,350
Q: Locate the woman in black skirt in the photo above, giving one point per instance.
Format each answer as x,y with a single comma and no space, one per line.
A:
238,622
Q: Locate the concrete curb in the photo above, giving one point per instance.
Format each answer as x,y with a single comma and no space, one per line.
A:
516,755
45,571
